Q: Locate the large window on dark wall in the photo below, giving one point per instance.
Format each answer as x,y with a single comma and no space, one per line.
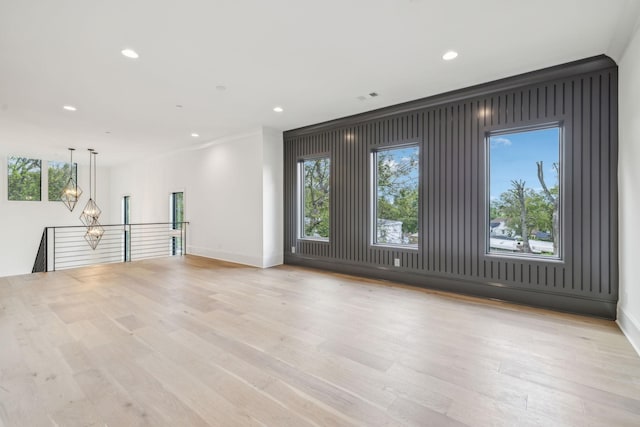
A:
314,189
396,178
524,192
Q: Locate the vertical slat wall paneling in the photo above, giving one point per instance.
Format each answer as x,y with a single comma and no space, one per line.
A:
467,255
574,149
427,238
451,130
587,174
474,149
478,207
613,183
602,155
448,181
438,200
563,103
456,220
338,242
595,178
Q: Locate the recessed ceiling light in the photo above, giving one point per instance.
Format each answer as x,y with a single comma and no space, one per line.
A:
195,135
130,53
449,55
278,109
69,108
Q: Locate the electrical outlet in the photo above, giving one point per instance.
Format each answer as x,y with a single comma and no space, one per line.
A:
396,262
293,249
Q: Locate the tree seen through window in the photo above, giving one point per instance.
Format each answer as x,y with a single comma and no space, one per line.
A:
315,192
397,200
58,176
24,179
524,191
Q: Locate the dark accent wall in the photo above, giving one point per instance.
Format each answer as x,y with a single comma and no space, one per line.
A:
451,129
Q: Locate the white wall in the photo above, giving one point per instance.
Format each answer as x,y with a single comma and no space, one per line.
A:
273,198
232,195
628,179
23,222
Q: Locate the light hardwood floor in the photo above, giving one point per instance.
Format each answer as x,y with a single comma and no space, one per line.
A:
189,341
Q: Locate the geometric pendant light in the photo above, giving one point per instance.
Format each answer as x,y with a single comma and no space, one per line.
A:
91,211
71,192
94,234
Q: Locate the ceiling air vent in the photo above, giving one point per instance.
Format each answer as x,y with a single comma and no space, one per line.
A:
368,96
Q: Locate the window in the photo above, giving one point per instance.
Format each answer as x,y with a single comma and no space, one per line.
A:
524,192
177,218
58,173
314,189
24,179
126,210
126,219
396,196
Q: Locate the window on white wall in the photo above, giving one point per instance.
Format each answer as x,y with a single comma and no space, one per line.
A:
24,178
58,176
177,219
524,192
126,219
314,189
396,196
126,210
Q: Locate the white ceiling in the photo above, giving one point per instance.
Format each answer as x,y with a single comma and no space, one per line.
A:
312,58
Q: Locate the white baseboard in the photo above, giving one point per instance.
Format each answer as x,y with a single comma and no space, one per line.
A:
253,261
273,260
630,328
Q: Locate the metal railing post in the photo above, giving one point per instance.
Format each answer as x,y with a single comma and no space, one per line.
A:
54,249
46,249
127,243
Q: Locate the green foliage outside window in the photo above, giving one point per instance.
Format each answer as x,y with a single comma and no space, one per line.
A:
539,212
397,197
316,183
178,210
524,189
24,179
58,177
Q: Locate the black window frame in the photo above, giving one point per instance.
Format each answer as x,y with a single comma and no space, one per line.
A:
562,190
373,195
75,178
177,243
8,159
300,229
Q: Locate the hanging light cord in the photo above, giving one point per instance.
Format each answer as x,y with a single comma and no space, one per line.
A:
71,166
90,173
95,181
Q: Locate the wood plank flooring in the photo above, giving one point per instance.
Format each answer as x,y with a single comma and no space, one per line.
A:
188,341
